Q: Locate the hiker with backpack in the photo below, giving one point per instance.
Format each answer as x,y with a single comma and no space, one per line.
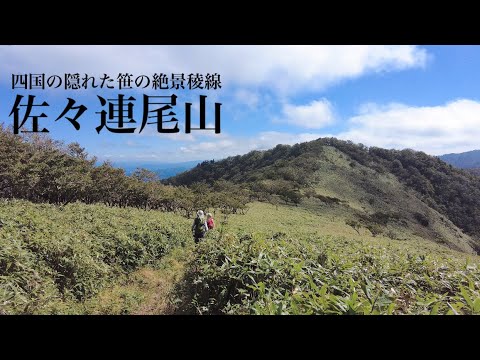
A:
199,227
210,222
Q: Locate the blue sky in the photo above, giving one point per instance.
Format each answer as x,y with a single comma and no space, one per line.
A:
421,97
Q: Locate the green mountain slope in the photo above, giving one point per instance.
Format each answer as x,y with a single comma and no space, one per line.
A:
465,160
83,259
320,227
402,193
53,258
287,260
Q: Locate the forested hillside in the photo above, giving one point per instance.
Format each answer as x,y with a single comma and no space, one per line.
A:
323,227
285,170
465,160
39,169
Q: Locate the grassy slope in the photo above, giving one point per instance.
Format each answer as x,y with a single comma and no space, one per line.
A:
365,192
99,260
265,220
146,291
318,265
53,259
298,232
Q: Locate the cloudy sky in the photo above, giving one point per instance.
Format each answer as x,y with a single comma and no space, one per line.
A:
421,97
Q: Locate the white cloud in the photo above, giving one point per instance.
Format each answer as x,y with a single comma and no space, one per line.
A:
151,131
316,115
247,98
269,139
227,145
280,68
453,127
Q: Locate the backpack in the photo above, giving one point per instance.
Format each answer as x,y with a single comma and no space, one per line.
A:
210,223
199,226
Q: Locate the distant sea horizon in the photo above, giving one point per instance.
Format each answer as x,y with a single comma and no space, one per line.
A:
163,169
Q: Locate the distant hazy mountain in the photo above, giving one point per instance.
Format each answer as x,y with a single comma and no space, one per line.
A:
466,160
163,170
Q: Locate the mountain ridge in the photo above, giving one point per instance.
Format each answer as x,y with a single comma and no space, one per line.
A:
403,191
464,160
